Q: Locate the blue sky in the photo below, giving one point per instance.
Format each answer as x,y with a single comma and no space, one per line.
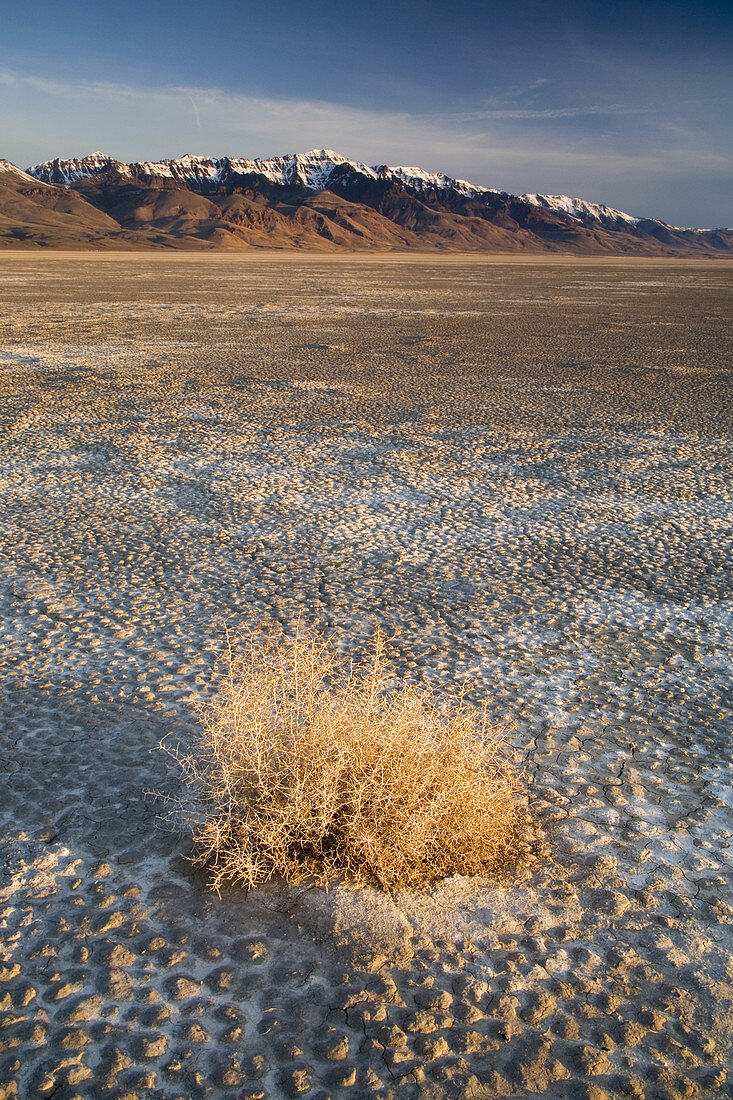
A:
623,103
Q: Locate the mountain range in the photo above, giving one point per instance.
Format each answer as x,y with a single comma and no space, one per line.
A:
319,201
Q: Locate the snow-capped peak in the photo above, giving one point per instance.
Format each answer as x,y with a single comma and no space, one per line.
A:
76,168
420,180
311,169
580,209
186,168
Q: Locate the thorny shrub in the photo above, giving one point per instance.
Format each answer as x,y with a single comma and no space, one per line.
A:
301,772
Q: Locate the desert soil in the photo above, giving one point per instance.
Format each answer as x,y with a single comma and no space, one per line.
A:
522,472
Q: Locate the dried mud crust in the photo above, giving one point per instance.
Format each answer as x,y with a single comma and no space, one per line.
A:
523,475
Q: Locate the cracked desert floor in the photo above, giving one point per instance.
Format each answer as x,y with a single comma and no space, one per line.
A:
522,472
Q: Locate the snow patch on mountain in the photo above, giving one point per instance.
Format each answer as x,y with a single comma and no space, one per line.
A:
8,166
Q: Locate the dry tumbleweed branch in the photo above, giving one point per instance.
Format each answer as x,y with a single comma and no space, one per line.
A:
300,772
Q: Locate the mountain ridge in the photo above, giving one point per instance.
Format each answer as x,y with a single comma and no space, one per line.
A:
318,199
312,169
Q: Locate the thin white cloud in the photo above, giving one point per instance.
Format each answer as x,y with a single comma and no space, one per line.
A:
546,112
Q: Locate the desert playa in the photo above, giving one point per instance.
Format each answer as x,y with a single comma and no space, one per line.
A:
521,472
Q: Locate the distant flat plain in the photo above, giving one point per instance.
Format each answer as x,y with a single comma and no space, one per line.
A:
521,469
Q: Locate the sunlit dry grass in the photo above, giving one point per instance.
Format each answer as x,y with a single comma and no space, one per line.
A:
300,771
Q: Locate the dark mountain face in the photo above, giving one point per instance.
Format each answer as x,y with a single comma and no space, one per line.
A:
318,201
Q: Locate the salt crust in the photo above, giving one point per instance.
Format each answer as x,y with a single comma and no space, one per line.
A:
536,496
